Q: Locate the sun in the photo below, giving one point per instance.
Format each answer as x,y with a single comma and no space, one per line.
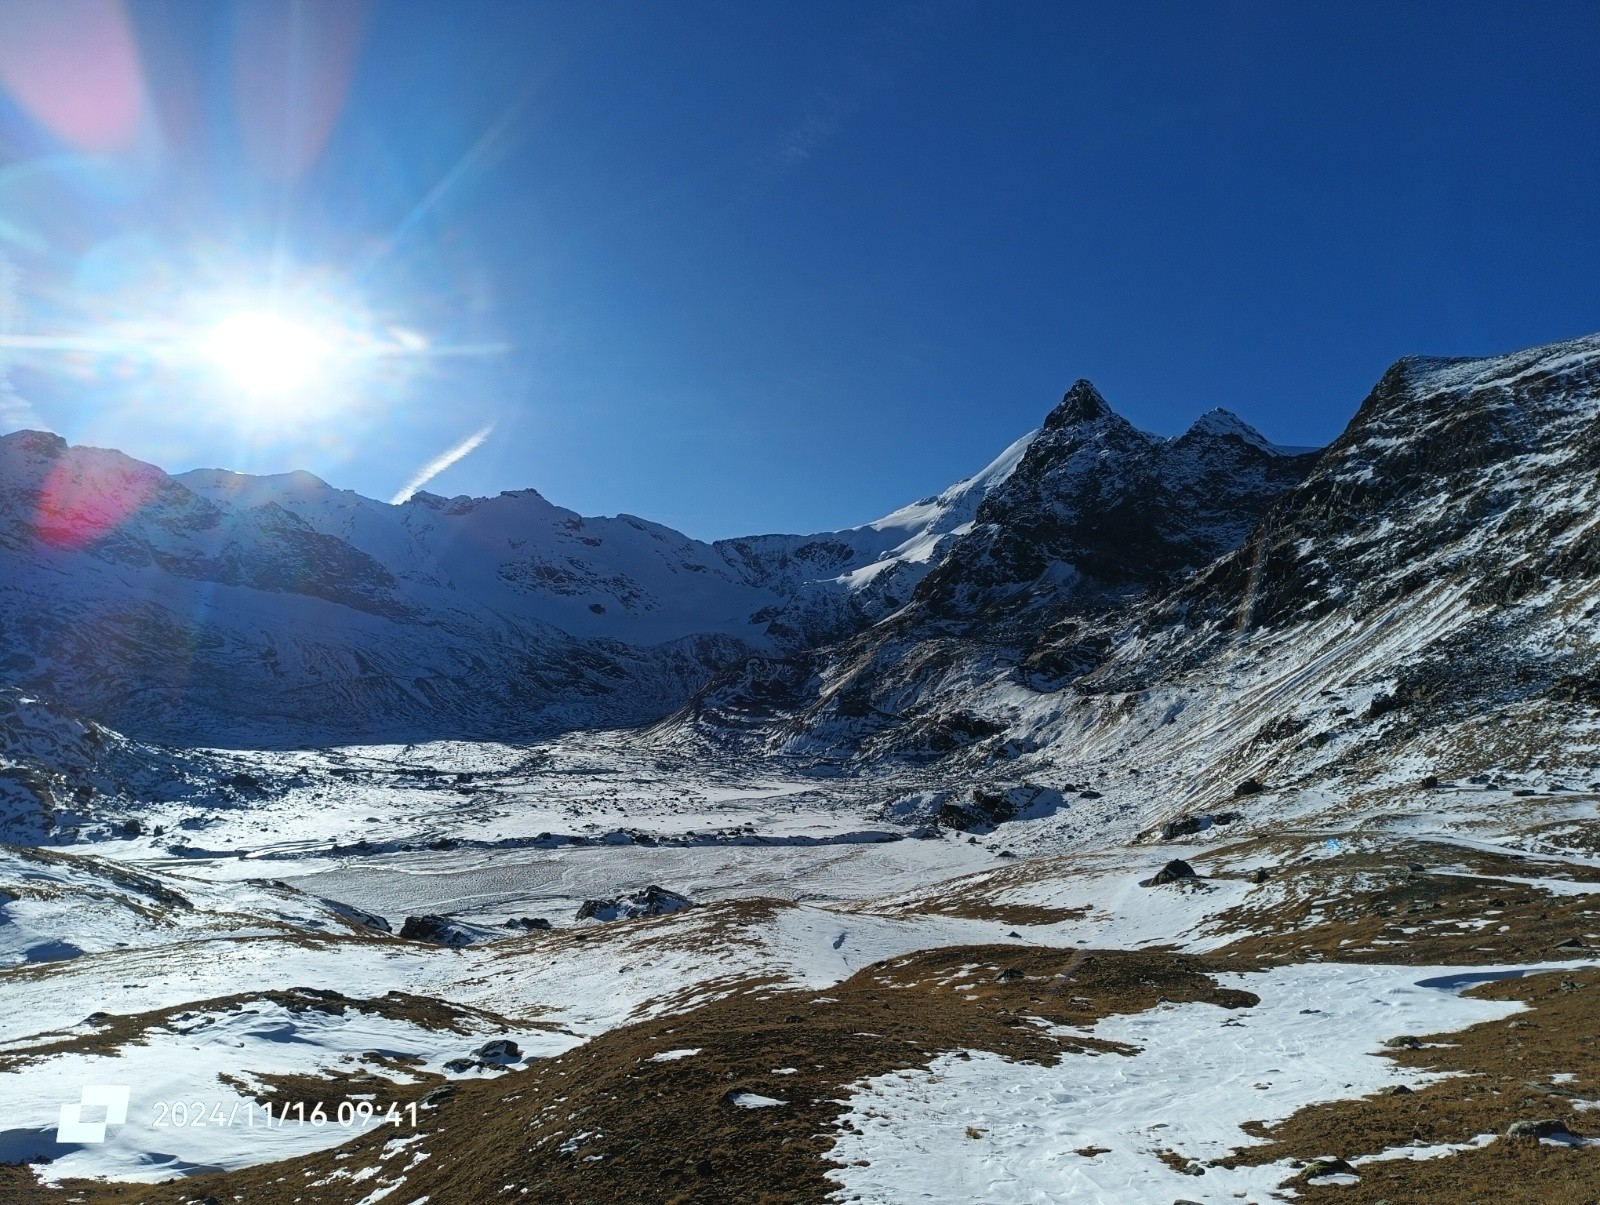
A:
265,352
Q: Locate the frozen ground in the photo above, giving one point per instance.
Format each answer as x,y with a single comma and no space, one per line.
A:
193,934
976,1127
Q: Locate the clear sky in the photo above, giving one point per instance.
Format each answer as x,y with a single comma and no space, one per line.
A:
744,267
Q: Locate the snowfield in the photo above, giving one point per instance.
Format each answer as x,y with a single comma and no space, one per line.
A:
1198,1074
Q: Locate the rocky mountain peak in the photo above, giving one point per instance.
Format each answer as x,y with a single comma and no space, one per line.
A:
1082,403
40,443
1220,423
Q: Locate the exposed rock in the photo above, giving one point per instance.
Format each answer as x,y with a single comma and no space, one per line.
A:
359,916
1547,1127
1184,826
652,901
1172,872
986,807
498,1050
1248,787
439,930
1327,1167
528,922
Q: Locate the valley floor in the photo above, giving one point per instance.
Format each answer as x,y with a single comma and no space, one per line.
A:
1387,1002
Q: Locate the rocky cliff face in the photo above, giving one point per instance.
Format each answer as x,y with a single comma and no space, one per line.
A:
1098,510
1431,590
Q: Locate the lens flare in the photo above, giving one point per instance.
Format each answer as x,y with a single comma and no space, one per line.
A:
266,353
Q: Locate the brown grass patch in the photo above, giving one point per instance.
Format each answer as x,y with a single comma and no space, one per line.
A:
1374,907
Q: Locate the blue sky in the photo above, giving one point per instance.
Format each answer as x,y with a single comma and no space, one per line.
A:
786,266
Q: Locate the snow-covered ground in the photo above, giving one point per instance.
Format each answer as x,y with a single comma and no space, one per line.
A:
286,882
977,1127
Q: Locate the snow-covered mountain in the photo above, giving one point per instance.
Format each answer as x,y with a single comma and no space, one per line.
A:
222,607
1094,514
1426,601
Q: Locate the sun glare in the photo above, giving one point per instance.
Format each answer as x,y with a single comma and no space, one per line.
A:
265,352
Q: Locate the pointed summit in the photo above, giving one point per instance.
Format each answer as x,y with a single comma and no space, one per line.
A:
1222,422
1081,404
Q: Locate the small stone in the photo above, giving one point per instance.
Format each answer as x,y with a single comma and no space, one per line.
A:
1009,973
1404,1042
1327,1167
1395,1090
1248,787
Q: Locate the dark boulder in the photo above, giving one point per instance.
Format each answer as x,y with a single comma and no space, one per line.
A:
436,929
1172,872
1185,826
1547,1127
652,901
499,1050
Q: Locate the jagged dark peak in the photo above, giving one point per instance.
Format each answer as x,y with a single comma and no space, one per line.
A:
1082,403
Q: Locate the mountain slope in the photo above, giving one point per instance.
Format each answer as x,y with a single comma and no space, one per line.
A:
1094,514
1426,602
214,606
1429,596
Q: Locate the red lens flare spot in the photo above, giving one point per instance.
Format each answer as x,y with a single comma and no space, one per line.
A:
79,503
74,66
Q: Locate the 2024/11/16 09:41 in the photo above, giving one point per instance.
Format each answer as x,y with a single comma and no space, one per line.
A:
351,1114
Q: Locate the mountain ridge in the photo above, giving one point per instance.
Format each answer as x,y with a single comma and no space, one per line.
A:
196,606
